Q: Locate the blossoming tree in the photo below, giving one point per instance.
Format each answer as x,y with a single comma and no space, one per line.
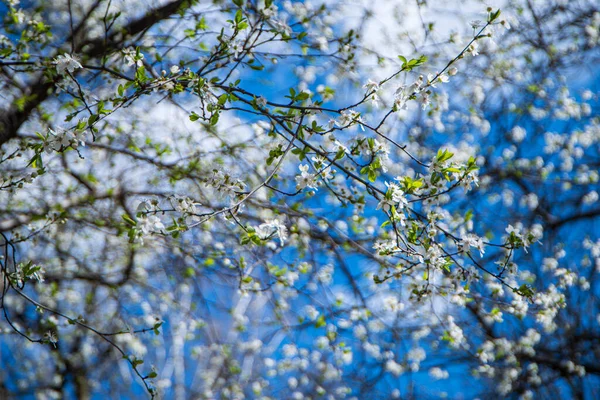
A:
259,199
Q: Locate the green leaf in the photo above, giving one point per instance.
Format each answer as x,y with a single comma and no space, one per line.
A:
372,175
201,25
494,15
140,74
525,290
93,118
136,361
128,220
155,328
302,96
447,265
468,215
371,142
320,322
444,155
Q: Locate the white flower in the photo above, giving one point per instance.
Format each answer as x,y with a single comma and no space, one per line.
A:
425,101
393,367
454,335
473,49
360,332
305,179
282,26
371,86
311,312
339,145
416,85
325,274
19,15
471,178
272,227
51,338
292,382
290,350
147,206
393,197
475,24
444,78
261,102
349,118
431,81
60,139
590,198
66,62
391,303
417,354
511,229
518,134
321,342
322,43
149,223
236,47
400,98
270,11
471,240
132,57
437,373
183,204
174,69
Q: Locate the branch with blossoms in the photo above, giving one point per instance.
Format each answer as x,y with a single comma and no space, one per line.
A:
170,170
14,282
